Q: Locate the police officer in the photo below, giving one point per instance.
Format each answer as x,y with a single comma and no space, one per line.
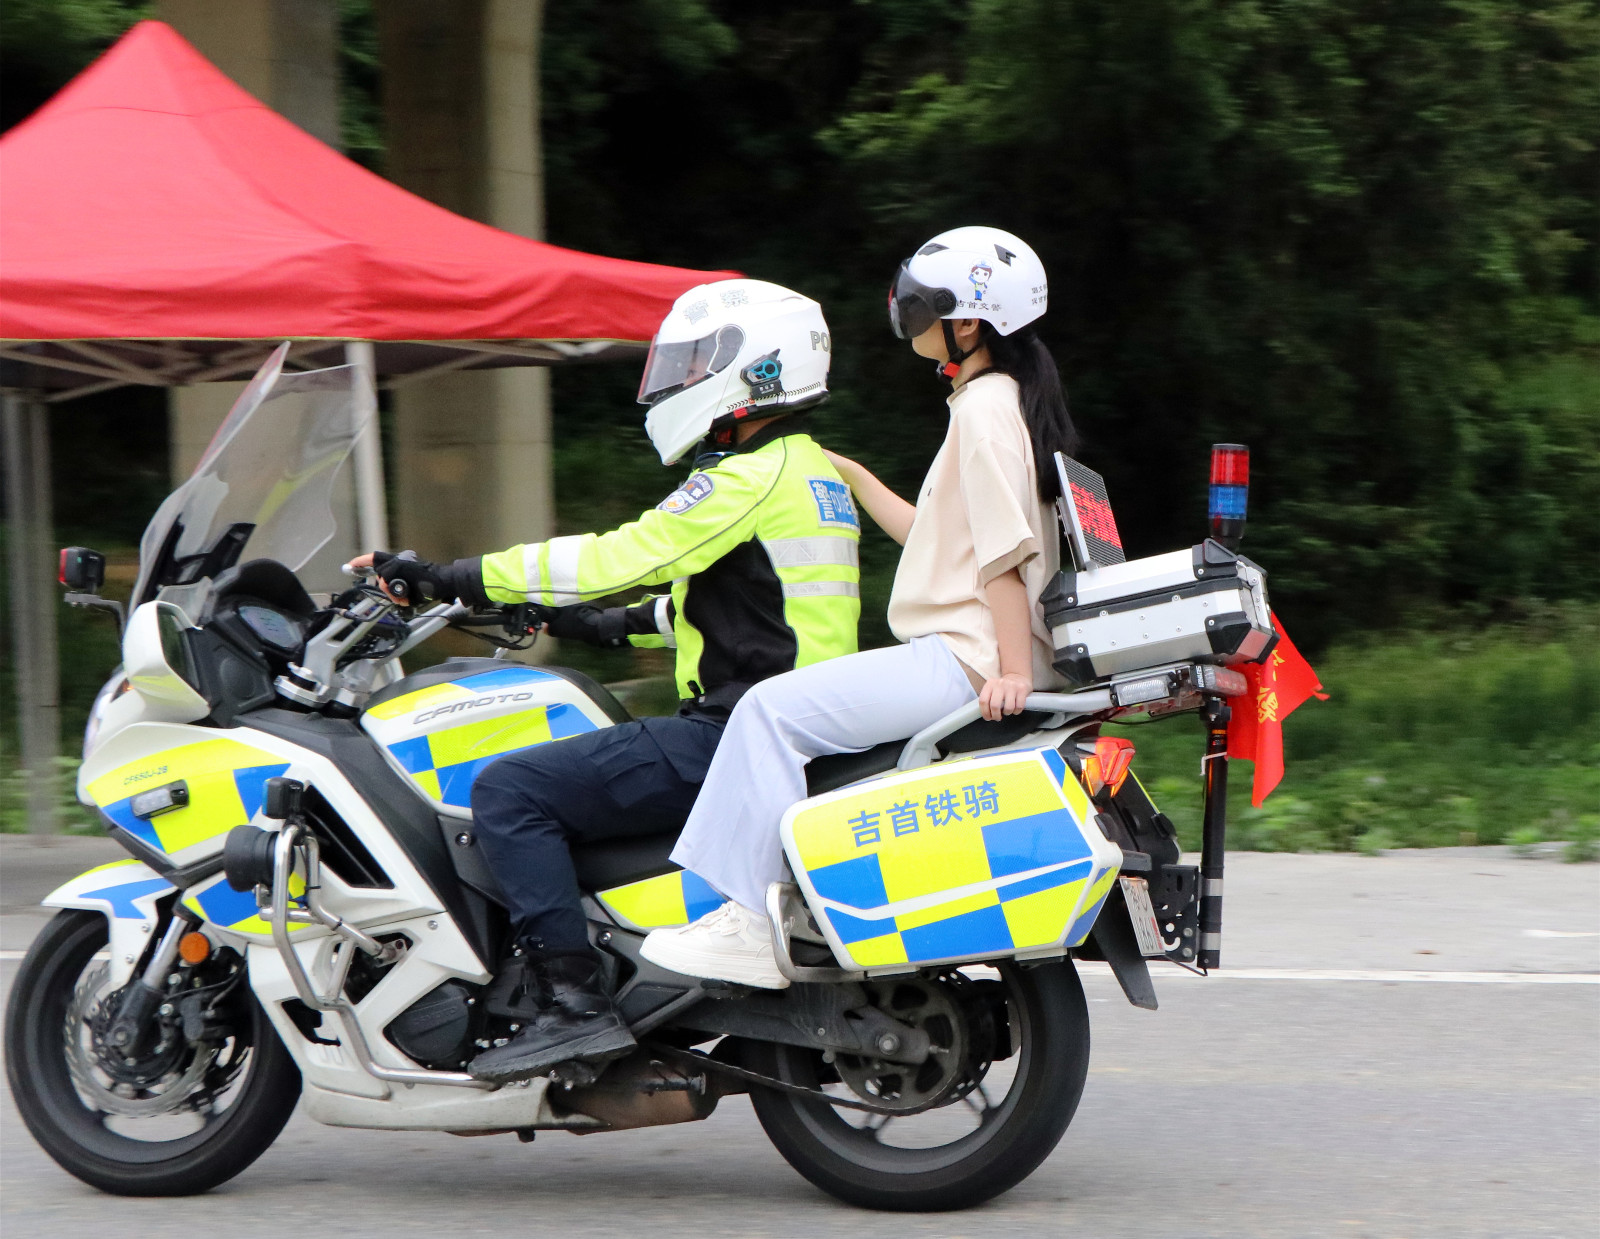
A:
760,546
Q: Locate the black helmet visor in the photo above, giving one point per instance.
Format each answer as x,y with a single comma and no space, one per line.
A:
913,306
672,367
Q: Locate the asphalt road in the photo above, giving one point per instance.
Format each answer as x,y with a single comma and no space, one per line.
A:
1398,1047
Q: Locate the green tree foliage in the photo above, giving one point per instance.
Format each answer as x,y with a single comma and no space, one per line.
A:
44,43
1359,236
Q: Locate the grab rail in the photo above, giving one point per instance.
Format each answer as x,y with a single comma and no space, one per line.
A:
920,748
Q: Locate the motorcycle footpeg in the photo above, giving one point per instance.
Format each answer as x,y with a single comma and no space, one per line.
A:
576,1073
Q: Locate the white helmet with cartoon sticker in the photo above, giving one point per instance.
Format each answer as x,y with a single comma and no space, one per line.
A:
972,272
732,351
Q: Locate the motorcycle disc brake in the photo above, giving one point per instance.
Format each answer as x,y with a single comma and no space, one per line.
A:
927,1004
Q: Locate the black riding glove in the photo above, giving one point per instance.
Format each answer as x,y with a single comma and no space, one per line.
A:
584,622
416,582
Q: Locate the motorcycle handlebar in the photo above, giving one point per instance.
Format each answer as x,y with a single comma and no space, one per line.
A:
429,622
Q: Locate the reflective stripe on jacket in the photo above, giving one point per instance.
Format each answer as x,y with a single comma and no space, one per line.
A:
761,549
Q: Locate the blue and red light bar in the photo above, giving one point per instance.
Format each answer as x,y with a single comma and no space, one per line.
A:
1230,492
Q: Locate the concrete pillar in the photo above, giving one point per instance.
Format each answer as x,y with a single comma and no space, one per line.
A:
29,553
193,415
285,53
461,102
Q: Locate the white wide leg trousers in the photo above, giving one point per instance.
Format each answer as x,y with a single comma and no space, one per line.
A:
843,705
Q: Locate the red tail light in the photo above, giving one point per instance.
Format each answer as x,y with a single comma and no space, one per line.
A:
1108,765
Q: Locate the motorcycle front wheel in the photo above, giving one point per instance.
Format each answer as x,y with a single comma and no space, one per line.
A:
192,1117
1011,1051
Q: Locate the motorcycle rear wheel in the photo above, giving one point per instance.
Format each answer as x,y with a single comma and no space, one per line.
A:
1050,1032
42,1017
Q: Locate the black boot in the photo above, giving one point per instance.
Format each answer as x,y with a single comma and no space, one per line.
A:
575,1018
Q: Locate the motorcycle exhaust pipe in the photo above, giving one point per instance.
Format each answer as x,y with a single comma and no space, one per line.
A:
1213,842
641,1091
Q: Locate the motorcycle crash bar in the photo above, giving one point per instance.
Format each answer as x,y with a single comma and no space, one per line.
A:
289,839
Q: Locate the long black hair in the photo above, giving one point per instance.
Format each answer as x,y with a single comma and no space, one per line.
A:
1024,357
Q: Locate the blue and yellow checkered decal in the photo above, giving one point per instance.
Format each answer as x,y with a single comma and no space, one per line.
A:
227,908
978,859
127,888
226,780
444,735
661,902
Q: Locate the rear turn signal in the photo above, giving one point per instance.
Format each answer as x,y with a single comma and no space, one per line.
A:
1108,765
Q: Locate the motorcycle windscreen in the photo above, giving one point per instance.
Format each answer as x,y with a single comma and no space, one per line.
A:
268,475
955,862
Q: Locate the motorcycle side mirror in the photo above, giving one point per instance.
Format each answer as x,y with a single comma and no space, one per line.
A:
82,570
283,798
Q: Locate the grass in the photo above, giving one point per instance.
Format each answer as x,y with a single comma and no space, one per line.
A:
1429,739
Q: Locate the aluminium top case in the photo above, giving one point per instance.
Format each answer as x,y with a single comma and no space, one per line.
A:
1113,616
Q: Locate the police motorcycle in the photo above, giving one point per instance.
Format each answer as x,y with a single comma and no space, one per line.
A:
304,916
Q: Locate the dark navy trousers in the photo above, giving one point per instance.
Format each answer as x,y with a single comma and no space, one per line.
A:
637,778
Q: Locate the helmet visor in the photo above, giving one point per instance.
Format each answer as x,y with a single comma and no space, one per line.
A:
672,367
914,306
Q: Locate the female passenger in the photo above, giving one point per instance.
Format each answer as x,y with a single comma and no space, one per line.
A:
980,546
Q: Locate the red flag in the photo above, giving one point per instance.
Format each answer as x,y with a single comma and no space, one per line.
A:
1277,686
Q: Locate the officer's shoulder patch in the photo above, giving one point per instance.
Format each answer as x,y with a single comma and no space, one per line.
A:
698,487
836,507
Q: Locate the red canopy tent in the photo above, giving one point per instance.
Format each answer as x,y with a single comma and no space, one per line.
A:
153,216
159,225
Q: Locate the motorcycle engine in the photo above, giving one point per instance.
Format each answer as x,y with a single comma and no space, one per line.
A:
438,1029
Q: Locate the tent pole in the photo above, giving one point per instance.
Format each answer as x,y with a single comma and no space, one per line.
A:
371,515
33,618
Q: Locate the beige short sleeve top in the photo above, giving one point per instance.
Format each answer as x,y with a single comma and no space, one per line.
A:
978,516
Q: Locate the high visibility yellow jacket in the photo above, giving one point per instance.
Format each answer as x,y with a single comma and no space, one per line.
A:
761,549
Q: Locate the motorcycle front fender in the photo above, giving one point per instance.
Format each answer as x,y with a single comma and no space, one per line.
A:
126,891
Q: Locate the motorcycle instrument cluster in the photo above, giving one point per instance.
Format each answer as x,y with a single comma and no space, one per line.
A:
283,633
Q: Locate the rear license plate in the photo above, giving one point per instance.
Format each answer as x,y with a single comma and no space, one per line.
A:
1136,891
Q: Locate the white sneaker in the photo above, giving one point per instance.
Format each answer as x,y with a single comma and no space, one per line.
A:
729,944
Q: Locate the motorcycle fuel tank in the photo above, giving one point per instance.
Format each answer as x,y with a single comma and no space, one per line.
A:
963,860
442,726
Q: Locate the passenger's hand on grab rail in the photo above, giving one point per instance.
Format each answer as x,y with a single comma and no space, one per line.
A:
1006,694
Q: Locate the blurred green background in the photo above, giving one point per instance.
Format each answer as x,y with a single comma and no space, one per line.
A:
1359,236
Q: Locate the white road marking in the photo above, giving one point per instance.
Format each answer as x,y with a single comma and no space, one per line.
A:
1370,974
1309,974
1561,933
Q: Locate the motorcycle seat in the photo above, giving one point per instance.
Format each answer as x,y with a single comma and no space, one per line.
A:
616,862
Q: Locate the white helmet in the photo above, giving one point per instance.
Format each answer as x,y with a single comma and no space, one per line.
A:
972,272
736,350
